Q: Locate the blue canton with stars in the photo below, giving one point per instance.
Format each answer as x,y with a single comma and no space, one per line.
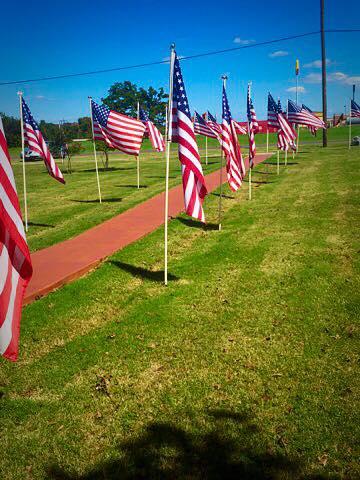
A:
272,107
179,93
211,118
226,114
28,118
100,113
279,109
293,108
143,116
199,119
250,106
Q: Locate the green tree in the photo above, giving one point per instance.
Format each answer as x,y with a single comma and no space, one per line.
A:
73,148
85,127
12,130
104,148
123,97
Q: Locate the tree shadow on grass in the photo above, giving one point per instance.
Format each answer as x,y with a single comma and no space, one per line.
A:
104,200
266,173
189,222
132,186
110,169
223,196
228,447
144,273
45,225
158,176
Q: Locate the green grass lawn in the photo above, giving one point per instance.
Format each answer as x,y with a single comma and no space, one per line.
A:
58,212
244,367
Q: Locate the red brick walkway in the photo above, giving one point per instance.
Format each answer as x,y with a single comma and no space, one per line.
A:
54,266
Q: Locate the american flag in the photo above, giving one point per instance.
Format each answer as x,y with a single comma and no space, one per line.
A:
253,127
36,143
183,134
230,146
312,129
355,109
154,133
286,134
211,121
303,116
118,131
239,128
202,128
15,262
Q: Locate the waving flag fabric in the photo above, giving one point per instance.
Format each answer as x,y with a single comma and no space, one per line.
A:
252,128
36,143
355,109
313,129
154,133
15,262
202,128
286,134
230,146
303,116
211,121
272,113
183,134
118,131
239,128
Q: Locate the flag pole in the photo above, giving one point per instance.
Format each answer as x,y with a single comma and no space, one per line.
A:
23,159
96,164
168,133
138,156
267,138
224,78
278,162
206,143
286,155
350,126
298,139
249,94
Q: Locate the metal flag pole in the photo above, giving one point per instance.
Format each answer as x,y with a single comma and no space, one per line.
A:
350,126
95,157
206,143
168,145
23,159
278,162
138,156
267,138
224,78
286,155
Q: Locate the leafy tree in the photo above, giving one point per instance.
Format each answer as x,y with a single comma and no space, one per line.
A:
105,149
123,97
73,148
12,130
84,127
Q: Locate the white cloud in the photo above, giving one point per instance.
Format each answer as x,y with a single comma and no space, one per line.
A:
318,63
40,97
337,77
293,89
313,78
278,53
241,41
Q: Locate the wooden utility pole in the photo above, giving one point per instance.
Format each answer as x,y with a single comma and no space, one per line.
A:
323,59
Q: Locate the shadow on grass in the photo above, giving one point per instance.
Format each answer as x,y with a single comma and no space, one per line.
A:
158,176
104,200
132,186
266,173
33,224
141,272
229,447
189,222
223,196
110,169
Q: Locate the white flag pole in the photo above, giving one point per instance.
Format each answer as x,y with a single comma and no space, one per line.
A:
249,95
23,159
278,162
267,139
138,156
206,143
298,139
95,157
286,155
168,145
224,78
350,126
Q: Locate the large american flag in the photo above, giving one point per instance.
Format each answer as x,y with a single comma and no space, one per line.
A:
157,140
202,128
36,143
313,129
230,146
183,134
253,127
355,109
117,130
303,116
212,122
15,262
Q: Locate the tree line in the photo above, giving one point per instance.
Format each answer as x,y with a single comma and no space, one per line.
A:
122,97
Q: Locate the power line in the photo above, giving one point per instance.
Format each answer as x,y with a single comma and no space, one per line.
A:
188,57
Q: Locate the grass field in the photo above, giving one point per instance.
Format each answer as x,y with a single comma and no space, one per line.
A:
58,212
243,367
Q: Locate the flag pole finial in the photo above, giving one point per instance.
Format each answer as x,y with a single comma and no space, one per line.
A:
20,93
172,46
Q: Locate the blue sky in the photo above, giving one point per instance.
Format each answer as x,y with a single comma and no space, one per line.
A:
44,38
